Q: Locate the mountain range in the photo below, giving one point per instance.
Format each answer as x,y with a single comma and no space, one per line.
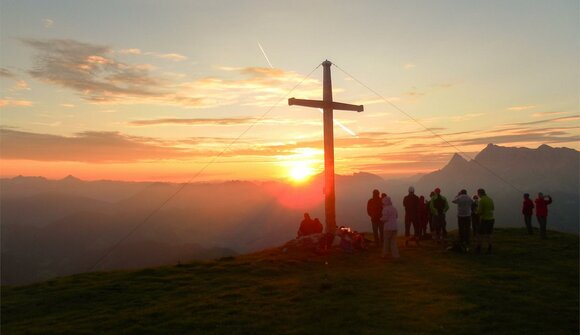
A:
58,227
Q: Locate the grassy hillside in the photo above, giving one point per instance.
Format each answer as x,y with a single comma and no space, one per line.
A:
527,286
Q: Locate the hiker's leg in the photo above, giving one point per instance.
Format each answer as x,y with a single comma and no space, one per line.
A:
528,221
386,243
407,225
394,247
542,221
376,224
382,233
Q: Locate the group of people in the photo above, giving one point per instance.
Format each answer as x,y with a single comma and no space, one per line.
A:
541,206
473,212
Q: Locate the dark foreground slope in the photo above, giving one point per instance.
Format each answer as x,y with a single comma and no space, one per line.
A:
527,287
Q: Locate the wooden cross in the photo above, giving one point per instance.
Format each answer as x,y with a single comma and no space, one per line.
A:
328,106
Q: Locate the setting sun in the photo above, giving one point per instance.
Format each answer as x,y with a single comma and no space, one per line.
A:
300,172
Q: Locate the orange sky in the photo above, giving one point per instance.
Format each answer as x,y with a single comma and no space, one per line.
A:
165,95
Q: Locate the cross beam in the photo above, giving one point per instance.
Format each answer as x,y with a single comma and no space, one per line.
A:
328,106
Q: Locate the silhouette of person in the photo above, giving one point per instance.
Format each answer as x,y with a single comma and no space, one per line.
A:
429,214
390,221
527,211
464,203
411,204
423,213
309,226
439,206
485,211
475,216
375,211
542,203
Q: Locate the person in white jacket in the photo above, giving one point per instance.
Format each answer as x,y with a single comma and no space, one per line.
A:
389,219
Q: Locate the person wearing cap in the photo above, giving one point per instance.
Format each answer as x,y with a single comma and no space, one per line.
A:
390,221
527,211
411,204
375,211
542,203
439,206
485,212
464,203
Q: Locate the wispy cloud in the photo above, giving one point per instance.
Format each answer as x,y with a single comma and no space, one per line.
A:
6,73
93,147
48,23
556,119
8,102
93,72
521,108
170,56
409,66
194,122
21,85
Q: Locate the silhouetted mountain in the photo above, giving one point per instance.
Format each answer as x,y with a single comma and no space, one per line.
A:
506,173
52,228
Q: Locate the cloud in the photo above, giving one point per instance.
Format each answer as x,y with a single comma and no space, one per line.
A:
48,23
15,103
6,73
195,122
169,56
88,69
68,105
21,85
521,108
409,66
92,147
542,114
556,119
93,72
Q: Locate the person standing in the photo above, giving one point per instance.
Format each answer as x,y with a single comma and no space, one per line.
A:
429,214
527,211
542,203
411,204
475,216
390,220
463,202
485,211
422,216
439,206
375,210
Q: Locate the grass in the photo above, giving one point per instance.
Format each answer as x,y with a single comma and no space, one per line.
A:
527,286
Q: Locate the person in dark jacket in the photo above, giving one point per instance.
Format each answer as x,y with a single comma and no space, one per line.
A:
411,204
475,216
439,206
309,226
527,211
422,216
429,214
542,203
375,211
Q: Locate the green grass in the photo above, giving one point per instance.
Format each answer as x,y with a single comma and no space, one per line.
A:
527,286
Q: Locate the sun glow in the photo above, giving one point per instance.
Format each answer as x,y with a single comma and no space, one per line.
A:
300,171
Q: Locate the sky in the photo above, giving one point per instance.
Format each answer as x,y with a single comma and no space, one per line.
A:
197,90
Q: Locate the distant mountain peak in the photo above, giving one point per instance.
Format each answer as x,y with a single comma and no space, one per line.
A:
544,147
70,178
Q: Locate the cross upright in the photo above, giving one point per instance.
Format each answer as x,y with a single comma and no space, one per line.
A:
328,106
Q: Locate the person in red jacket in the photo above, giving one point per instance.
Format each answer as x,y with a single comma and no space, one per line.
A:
542,203
527,211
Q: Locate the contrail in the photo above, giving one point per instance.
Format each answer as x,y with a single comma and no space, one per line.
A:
350,132
265,56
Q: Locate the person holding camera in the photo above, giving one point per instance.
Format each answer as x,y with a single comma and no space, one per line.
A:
542,203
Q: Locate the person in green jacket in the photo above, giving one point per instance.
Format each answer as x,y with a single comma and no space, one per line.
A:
486,220
439,206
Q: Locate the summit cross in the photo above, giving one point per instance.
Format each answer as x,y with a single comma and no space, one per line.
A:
328,106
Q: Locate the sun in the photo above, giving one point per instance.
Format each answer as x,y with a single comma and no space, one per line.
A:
300,172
